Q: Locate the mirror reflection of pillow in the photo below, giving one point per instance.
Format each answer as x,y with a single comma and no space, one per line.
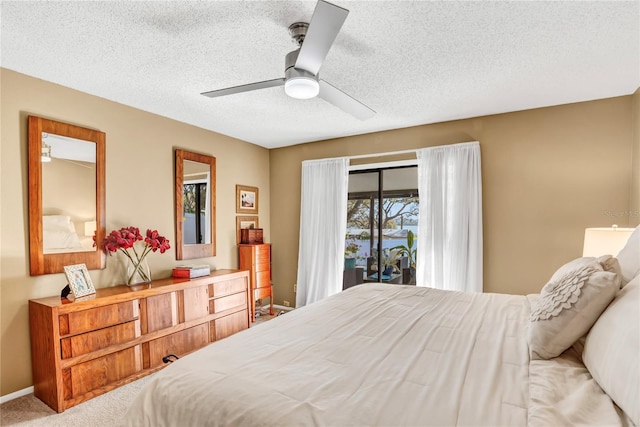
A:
57,223
60,239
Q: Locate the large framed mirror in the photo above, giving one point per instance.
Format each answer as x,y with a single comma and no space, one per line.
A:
66,196
195,202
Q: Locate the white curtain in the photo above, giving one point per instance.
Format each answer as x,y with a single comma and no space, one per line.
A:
450,222
323,225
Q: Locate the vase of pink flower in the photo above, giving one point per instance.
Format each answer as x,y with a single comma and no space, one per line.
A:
135,248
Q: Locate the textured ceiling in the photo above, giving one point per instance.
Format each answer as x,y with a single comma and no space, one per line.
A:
414,62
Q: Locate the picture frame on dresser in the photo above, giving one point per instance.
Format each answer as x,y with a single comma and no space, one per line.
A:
247,199
245,222
79,280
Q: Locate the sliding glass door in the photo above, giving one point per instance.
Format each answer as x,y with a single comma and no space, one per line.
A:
382,224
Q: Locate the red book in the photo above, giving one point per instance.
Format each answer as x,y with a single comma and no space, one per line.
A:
189,272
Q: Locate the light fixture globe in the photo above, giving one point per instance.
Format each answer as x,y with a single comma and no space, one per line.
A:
302,87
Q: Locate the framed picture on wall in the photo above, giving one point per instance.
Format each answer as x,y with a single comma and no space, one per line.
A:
246,199
245,222
79,280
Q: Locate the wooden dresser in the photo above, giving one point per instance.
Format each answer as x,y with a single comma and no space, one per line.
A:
257,259
83,348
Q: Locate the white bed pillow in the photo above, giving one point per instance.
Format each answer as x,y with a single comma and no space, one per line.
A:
569,304
612,348
58,232
60,239
57,223
629,257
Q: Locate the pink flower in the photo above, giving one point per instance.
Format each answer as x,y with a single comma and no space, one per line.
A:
156,241
126,238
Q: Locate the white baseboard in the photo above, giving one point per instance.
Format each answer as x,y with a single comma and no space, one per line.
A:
16,394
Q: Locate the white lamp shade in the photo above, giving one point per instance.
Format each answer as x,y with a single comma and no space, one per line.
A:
605,241
90,228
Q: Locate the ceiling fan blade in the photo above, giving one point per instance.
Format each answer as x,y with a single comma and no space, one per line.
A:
244,88
345,102
325,24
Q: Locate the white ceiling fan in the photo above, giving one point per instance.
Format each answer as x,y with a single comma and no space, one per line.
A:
301,78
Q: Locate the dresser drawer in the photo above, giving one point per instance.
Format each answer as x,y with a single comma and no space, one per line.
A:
263,279
232,301
196,303
87,376
229,325
96,318
227,287
262,293
180,343
96,340
161,311
263,251
263,266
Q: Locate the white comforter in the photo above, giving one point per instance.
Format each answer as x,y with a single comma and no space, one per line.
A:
372,355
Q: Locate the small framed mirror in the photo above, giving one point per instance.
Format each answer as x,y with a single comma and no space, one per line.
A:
66,196
195,202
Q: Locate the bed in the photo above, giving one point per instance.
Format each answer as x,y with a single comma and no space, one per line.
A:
379,354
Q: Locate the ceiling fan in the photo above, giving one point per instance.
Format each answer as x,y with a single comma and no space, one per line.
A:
301,78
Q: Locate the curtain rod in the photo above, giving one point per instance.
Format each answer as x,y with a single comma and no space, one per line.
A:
362,156
391,153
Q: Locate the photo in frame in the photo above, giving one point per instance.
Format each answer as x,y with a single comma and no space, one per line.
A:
79,280
245,222
246,199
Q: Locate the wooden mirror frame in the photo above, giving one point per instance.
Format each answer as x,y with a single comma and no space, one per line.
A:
39,262
202,250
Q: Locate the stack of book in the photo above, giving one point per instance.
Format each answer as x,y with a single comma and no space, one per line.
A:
191,271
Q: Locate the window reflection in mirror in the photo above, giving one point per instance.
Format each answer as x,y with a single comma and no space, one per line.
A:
68,194
196,193
195,205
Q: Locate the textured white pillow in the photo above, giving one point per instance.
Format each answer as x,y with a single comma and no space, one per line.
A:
629,257
569,304
57,223
612,349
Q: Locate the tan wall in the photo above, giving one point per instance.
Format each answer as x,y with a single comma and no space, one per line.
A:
69,188
139,191
634,203
547,175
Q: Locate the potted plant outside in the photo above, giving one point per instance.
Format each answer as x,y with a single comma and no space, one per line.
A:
350,252
410,252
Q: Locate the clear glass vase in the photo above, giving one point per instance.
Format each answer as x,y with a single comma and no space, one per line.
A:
137,273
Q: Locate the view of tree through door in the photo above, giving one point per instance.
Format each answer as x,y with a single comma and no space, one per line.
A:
382,218
195,209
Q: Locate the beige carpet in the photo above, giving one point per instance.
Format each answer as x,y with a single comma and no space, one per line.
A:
105,410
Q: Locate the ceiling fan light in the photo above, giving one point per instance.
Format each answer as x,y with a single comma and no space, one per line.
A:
302,87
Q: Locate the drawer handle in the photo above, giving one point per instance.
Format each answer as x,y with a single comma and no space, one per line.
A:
168,357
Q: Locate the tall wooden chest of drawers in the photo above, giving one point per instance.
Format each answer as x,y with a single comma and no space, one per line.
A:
257,259
83,348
